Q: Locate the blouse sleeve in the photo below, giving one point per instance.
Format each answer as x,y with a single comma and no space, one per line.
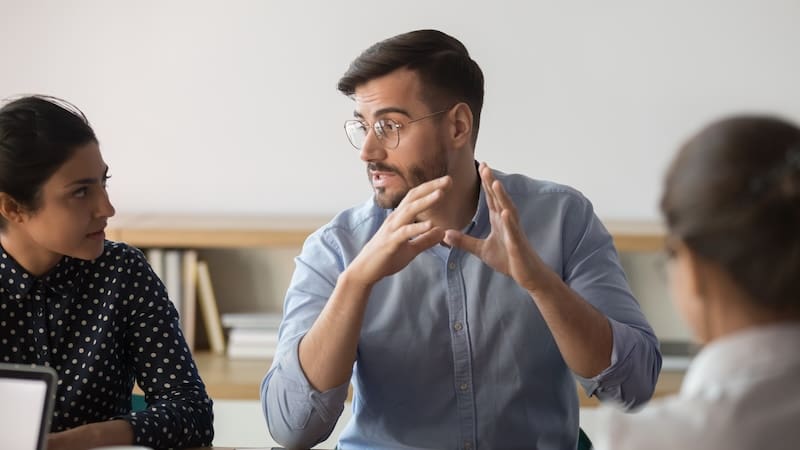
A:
179,412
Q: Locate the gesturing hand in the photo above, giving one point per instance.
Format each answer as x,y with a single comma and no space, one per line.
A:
506,249
400,239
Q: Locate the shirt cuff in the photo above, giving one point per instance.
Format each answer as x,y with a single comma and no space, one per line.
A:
328,404
607,383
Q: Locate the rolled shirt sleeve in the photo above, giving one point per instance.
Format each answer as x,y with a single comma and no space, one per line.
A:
593,270
299,416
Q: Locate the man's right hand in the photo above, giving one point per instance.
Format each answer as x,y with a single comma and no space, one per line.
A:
401,237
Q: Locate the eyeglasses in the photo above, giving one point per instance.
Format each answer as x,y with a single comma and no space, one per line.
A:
386,130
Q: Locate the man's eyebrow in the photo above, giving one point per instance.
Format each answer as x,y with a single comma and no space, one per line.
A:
382,111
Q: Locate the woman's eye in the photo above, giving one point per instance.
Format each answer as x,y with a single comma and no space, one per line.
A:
81,192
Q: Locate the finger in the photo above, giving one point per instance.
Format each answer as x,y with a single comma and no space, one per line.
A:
407,213
457,239
502,198
486,181
514,231
428,239
412,230
426,188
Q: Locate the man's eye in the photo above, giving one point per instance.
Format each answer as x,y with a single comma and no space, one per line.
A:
388,125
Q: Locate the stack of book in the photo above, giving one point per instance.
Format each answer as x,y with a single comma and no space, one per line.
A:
252,335
188,282
677,355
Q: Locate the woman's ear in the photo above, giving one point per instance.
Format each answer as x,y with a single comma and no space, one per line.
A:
10,209
461,120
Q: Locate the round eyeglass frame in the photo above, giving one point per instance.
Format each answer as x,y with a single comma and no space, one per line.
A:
379,128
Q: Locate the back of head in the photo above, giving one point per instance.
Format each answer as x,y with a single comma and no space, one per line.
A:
448,73
37,135
732,195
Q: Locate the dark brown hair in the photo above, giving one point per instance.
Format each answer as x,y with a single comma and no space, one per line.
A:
443,64
37,135
732,195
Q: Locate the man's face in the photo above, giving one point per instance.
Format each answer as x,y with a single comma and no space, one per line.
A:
421,153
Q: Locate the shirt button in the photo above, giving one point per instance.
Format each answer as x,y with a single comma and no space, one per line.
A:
452,266
458,326
463,386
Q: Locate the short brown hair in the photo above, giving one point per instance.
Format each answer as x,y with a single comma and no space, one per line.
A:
447,72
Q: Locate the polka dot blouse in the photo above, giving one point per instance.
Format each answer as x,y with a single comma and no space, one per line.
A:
101,325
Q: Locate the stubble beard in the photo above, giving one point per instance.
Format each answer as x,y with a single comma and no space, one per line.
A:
416,175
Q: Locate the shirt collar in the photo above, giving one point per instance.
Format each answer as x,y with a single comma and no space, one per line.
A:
479,226
17,283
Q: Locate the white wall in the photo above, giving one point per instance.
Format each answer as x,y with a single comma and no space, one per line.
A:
230,106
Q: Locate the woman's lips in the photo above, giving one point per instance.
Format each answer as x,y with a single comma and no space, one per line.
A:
98,235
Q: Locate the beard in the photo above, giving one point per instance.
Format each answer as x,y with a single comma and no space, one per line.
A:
415,175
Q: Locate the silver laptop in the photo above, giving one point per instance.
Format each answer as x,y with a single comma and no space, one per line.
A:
27,394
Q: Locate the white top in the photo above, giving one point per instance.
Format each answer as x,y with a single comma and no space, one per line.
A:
740,392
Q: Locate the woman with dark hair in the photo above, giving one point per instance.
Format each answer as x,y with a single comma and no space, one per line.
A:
91,309
732,207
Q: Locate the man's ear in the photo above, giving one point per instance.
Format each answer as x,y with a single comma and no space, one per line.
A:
461,119
10,209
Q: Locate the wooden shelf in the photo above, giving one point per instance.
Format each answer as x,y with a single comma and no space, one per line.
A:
636,236
209,231
231,379
215,231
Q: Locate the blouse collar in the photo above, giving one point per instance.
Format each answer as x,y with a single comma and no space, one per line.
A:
17,283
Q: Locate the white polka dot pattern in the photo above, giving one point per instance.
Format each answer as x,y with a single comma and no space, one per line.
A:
102,325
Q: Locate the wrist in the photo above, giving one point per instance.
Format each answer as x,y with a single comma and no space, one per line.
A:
353,278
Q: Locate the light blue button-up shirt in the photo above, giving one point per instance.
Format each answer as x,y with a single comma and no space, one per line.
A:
453,354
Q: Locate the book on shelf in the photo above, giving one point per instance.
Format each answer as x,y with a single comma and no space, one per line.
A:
177,271
252,343
677,355
209,310
189,300
252,320
252,335
173,276
155,256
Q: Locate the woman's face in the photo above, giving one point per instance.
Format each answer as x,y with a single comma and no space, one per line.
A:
684,283
72,214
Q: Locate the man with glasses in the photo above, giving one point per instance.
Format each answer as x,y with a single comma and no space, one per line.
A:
459,301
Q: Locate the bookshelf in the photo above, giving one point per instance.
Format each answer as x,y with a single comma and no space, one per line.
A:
240,379
216,231
212,231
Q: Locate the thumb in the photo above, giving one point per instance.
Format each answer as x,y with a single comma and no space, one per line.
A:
455,238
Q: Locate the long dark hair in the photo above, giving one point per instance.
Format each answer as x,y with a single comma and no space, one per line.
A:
732,195
37,135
